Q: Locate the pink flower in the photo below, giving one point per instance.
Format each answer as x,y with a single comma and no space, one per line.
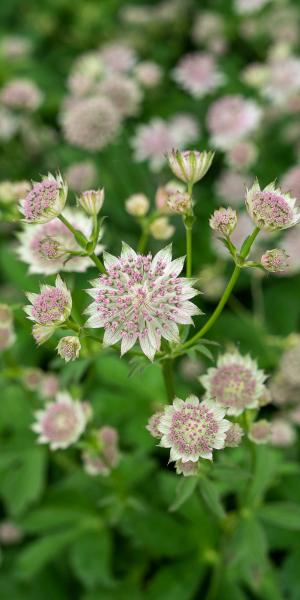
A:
270,208
290,183
190,165
260,432
92,201
69,347
282,433
49,309
49,385
231,187
123,93
152,142
197,73
21,94
141,300
81,176
193,429
106,455
283,81
223,221
233,436
148,73
118,56
45,201
184,128
291,243
61,423
230,119
153,423
242,155
187,469
276,260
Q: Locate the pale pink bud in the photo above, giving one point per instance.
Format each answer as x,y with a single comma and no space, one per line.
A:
92,201
49,385
7,337
161,229
164,191
260,432
276,260
224,221
137,205
69,347
234,436
190,165
187,469
32,378
179,202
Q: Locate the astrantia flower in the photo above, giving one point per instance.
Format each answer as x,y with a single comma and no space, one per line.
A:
49,385
118,56
282,433
45,247
61,423
187,469
45,201
7,337
190,166
230,119
283,81
141,300
153,423
106,455
92,201
148,73
193,429
235,383
270,208
69,347
233,436
184,129
137,205
260,432
161,229
223,221
179,202
123,93
81,176
231,187
49,309
197,73
276,260
152,142
21,94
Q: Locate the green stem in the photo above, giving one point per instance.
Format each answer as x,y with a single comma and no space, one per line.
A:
232,281
82,241
143,241
168,379
188,233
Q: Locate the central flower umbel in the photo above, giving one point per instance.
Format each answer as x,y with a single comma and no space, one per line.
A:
141,299
270,208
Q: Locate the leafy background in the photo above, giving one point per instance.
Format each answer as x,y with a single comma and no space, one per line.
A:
121,537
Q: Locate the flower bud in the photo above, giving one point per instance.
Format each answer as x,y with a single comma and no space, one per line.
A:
92,201
69,347
276,260
187,469
179,202
260,432
224,221
190,166
161,229
137,205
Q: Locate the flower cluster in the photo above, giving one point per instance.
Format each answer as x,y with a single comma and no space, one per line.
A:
49,309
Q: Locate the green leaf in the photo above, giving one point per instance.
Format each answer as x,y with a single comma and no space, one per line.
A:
211,497
281,514
184,490
267,464
22,483
91,558
182,586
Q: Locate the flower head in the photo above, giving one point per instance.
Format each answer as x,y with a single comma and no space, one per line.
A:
10,533
197,73
190,166
45,201
193,429
224,221
69,347
92,201
21,94
49,309
270,208
141,300
282,433
233,435
260,432
32,378
161,229
106,455
7,336
81,176
163,193
179,202
61,423
6,315
235,383
49,385
123,93
137,205
148,73
153,423
151,142
230,119
276,260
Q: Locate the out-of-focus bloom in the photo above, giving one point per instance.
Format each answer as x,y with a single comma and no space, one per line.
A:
184,129
69,347
13,191
241,155
289,364
152,142
137,205
6,315
45,247
187,469
193,429
164,191
270,208
148,73
190,165
294,415
123,93
92,201
235,383
161,229
141,300
81,176
224,221
291,243
283,80
231,187
10,533
21,94
276,260
32,378
265,398
91,123
249,6
86,72
49,385
49,309
7,337
255,74
283,392
232,118
190,368
107,455
179,202
197,73
291,182
233,436
282,433
152,425
8,124
45,201
15,47
61,423
260,432
208,29
212,279
118,56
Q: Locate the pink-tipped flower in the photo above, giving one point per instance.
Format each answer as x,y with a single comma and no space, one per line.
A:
233,436
242,155
49,309
118,57
69,347
21,94
197,73
153,423
45,201
190,166
187,469
193,429
276,260
179,202
270,208
92,201
61,423
161,229
106,455
235,383
230,119
260,432
223,221
152,142
137,205
141,300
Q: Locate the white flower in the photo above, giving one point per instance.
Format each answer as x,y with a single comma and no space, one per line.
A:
62,422
270,208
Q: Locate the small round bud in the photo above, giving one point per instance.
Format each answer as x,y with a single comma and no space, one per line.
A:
5,315
32,378
179,202
10,533
260,432
265,398
92,201
187,469
137,205
224,221
276,260
233,436
69,347
161,229
190,166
